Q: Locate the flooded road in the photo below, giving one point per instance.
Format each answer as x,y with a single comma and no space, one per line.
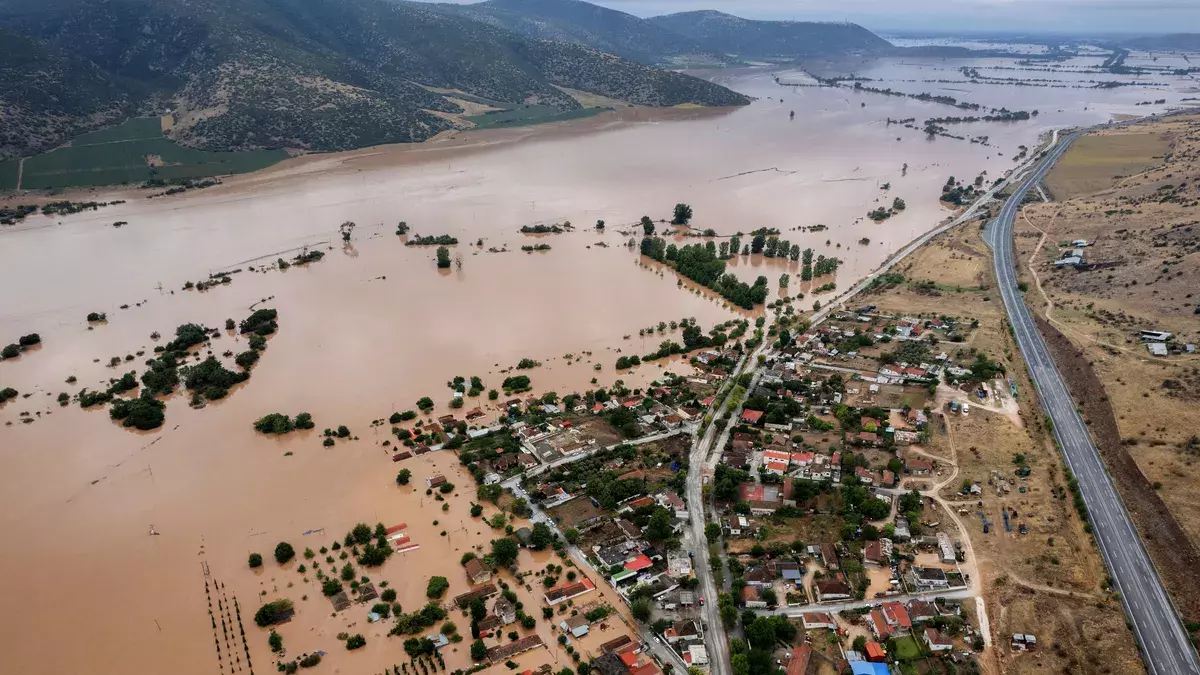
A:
375,325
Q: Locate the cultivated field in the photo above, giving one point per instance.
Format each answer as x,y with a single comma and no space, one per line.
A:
132,152
528,114
1095,161
9,170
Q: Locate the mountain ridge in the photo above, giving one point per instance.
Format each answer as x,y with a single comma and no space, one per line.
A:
772,40
316,75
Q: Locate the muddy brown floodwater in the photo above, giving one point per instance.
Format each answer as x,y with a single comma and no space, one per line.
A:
375,325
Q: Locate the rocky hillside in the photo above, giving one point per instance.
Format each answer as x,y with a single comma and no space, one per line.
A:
312,74
782,40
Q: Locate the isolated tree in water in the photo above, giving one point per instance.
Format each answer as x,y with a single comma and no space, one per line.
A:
683,214
443,257
647,226
346,229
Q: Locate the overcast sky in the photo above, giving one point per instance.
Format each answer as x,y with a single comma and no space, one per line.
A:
1057,16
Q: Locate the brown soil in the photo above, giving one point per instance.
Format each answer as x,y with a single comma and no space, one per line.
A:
1173,552
1075,635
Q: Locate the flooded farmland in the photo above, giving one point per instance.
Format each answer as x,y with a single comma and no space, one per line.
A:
375,325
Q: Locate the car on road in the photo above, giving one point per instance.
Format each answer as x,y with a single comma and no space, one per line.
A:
702,601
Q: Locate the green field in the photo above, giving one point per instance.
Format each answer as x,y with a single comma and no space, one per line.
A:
529,114
121,155
8,174
906,648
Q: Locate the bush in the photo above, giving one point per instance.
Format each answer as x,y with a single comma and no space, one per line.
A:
97,316
144,413
255,560
343,431
246,358
310,660
331,587
403,477
284,552
478,650
29,340
396,418
355,641
276,641
437,587
446,488
274,423
273,612
304,421
10,351
388,595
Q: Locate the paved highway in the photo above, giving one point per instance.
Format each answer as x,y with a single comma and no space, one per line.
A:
1165,646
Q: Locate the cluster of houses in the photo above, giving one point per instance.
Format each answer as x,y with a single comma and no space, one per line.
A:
898,619
624,656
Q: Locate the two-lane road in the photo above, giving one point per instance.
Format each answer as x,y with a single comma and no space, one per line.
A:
1166,649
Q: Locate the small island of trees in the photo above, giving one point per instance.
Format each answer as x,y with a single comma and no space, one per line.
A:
440,240
700,263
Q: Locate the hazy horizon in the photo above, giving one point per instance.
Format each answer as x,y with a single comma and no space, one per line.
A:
982,17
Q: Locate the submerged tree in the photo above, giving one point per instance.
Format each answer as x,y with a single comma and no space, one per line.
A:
443,257
683,215
346,229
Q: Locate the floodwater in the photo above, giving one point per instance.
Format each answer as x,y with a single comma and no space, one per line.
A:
375,326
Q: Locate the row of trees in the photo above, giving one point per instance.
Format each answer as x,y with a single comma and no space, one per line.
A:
700,263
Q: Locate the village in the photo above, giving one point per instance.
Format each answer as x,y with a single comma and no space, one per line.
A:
824,515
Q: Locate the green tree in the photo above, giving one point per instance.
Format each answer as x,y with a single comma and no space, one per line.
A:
284,552
255,560
478,650
505,551
276,641
683,214
273,612
541,537
741,666
641,609
403,477
712,532
443,257
572,535
647,226
437,587
660,528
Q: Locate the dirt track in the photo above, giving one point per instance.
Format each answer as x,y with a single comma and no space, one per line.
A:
1170,549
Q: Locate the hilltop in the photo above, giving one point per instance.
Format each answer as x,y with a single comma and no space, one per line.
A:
307,74
749,39
583,23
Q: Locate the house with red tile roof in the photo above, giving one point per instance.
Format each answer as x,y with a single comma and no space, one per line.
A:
818,620
878,624
936,641
876,653
897,617
798,664
564,592
751,416
751,598
639,563
917,466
